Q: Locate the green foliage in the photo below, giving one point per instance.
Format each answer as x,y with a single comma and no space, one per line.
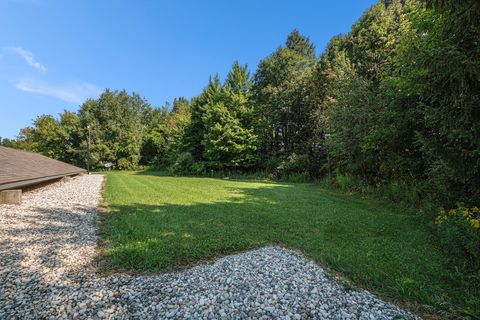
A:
238,79
282,97
399,100
117,126
184,164
363,136
165,136
407,194
459,230
22,141
294,168
221,134
227,144
56,138
444,81
153,146
395,99
196,130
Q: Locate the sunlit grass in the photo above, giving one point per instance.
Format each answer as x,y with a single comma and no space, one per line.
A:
160,223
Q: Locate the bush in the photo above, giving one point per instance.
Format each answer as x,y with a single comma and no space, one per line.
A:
407,193
348,183
198,168
184,163
125,164
294,167
460,231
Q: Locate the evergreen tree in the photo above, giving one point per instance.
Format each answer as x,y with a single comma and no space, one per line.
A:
282,99
196,129
229,141
221,134
238,79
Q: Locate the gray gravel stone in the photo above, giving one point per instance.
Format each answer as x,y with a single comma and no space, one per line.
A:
47,270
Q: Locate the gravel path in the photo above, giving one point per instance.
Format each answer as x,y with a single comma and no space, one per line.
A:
47,245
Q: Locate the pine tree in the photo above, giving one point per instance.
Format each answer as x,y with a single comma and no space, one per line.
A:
221,134
196,129
282,98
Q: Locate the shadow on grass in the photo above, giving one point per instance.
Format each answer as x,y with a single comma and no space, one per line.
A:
176,222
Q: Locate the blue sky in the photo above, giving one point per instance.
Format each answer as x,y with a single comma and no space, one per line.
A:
55,54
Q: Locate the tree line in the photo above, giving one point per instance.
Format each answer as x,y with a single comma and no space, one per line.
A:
395,102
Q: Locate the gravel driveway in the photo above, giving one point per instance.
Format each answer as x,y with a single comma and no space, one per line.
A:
47,245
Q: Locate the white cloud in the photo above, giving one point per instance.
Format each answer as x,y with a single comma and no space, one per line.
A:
28,56
73,93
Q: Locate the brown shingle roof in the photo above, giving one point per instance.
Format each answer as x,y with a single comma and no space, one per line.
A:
19,168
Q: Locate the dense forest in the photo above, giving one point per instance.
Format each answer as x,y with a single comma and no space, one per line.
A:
393,104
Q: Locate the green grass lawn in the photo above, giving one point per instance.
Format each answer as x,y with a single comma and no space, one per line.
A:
158,223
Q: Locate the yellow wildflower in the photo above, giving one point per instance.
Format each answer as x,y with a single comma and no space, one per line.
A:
466,213
475,210
452,212
475,223
440,218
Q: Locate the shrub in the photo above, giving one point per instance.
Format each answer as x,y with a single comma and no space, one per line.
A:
198,168
271,166
409,194
294,165
183,164
460,231
125,164
348,183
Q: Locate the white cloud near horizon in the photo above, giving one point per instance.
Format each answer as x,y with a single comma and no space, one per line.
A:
73,93
28,56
